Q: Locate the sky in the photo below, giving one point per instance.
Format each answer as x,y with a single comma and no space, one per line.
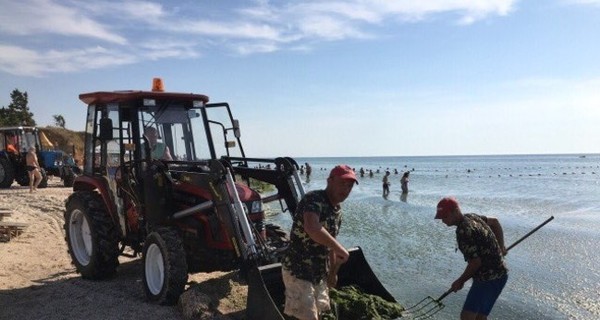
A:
328,78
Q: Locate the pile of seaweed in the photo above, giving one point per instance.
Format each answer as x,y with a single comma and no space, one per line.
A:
350,303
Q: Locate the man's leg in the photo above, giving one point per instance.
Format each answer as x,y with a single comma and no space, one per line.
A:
38,178
31,180
481,298
300,300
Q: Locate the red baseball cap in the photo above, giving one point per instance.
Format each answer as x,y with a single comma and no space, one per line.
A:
343,171
445,207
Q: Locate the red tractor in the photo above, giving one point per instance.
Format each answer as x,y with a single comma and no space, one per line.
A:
165,175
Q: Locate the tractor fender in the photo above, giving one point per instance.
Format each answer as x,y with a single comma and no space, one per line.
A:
86,183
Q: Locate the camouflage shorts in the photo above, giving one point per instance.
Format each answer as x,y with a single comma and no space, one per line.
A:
303,299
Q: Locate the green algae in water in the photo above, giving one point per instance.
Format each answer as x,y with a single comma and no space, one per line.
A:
353,304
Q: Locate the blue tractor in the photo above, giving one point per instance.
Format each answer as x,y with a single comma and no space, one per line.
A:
14,145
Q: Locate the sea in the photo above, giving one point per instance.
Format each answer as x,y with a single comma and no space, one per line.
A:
553,274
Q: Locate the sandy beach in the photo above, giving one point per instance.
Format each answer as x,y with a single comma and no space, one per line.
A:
38,281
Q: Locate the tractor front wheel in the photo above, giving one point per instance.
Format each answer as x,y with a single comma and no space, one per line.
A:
68,176
276,236
165,266
44,182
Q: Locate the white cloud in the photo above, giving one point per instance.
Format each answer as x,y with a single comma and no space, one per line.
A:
40,17
25,62
132,10
376,11
324,27
243,30
253,27
250,48
155,50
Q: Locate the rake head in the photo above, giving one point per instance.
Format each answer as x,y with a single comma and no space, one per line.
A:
426,308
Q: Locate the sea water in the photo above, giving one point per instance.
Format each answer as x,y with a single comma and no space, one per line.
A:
554,274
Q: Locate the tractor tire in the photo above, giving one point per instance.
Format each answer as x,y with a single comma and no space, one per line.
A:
68,177
23,179
276,236
7,173
91,235
165,266
44,182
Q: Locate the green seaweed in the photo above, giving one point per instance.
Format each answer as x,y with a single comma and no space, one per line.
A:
350,303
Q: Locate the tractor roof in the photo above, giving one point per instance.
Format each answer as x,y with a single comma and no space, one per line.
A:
104,97
26,128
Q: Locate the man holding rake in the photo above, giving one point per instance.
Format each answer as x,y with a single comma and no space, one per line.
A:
481,241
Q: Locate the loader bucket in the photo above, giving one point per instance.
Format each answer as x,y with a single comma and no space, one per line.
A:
266,290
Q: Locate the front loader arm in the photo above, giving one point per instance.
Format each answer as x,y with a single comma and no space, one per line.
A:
284,176
226,204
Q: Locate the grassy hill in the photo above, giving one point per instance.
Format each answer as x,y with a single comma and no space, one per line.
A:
65,139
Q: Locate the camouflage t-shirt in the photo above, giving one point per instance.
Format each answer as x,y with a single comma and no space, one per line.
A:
477,240
305,258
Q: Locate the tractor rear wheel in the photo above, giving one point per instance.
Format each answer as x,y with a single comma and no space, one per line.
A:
91,235
7,173
44,182
23,179
276,236
165,266
68,176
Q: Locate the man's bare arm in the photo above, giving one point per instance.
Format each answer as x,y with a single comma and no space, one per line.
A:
315,231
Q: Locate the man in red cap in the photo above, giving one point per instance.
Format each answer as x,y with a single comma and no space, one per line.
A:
481,241
314,254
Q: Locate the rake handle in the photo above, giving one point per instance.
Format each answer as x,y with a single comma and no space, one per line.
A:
444,295
530,233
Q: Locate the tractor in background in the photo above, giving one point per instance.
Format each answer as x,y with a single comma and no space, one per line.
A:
14,145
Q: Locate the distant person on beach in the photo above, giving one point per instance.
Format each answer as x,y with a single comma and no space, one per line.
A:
370,173
308,171
481,241
33,169
313,257
362,172
386,184
404,182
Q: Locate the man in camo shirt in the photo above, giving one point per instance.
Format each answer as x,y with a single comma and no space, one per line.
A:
481,241
314,255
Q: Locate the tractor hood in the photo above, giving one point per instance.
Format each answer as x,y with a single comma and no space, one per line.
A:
244,192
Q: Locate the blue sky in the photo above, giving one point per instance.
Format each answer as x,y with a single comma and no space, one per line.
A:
328,78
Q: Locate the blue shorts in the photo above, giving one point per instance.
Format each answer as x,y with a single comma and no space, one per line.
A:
483,295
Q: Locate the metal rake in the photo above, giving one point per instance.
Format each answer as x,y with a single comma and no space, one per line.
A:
426,308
